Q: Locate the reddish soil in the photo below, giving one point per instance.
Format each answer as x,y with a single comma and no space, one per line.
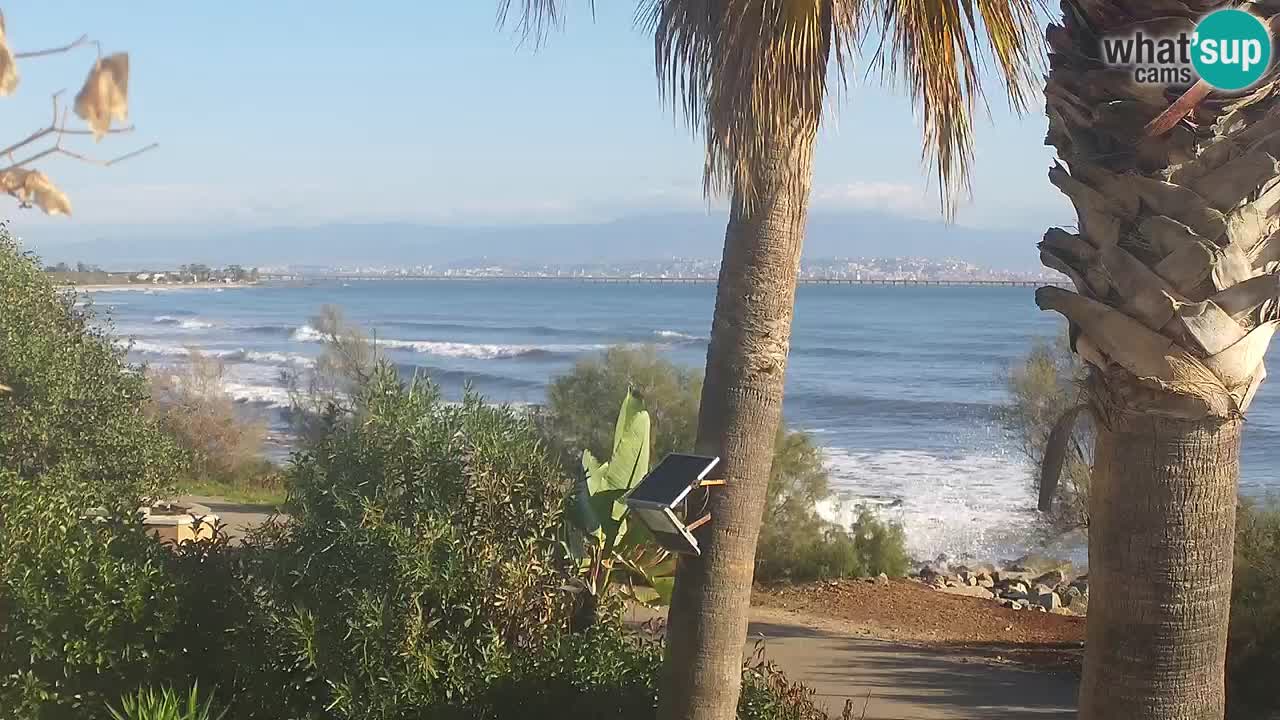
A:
910,612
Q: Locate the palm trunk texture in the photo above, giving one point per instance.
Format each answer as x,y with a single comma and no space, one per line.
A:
1175,269
738,421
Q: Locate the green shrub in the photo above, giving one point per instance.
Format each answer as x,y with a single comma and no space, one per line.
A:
85,602
1253,651
165,705
424,552
870,547
795,542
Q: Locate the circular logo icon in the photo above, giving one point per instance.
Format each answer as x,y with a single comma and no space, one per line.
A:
1231,49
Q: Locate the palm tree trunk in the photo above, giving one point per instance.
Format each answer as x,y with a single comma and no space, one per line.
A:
1160,549
1174,266
738,421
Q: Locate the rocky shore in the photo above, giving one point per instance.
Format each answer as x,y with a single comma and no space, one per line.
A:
1027,584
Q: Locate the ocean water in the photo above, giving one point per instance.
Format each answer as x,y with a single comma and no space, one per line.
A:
900,385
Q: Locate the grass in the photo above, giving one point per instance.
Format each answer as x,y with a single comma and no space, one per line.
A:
235,492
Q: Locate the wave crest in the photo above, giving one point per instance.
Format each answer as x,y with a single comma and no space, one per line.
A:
472,351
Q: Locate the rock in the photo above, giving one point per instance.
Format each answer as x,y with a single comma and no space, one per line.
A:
1036,564
971,581
1071,593
1051,578
1080,605
983,579
1010,604
1023,604
977,592
1041,590
952,582
1063,611
938,583
1050,600
1015,595
882,580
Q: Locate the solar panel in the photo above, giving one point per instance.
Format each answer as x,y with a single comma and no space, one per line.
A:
668,483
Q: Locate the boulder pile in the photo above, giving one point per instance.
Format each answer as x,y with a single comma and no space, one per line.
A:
1019,585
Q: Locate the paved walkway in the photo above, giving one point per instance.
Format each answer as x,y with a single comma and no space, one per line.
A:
894,681
898,682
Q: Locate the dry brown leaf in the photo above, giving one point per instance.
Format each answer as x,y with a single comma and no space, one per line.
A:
1140,350
1209,326
32,187
1236,365
105,95
8,68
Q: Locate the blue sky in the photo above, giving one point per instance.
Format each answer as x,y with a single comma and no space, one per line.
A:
300,113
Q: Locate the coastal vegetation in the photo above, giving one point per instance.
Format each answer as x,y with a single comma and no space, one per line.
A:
422,571
796,543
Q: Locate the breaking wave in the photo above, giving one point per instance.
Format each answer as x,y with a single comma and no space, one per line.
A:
184,323
474,351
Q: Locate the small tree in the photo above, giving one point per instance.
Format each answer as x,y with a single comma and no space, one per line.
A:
102,100
192,404
1042,387
330,388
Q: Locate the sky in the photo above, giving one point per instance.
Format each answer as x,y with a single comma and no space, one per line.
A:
289,113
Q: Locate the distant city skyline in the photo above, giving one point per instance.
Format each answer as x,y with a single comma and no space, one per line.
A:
294,114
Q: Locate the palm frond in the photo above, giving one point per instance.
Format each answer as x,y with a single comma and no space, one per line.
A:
749,73
537,17
936,48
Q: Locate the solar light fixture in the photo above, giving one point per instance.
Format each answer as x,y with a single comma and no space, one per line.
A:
655,499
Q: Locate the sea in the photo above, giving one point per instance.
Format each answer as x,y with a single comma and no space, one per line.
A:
900,385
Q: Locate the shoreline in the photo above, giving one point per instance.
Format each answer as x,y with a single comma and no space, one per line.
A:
157,287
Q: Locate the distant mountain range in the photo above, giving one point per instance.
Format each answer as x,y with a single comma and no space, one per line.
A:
628,239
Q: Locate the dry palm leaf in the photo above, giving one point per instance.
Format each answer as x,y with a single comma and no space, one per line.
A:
8,68
1140,350
1237,365
32,187
1055,456
105,95
1212,328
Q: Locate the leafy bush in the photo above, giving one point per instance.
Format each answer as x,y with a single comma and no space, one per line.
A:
795,542
1253,650
870,547
424,552
85,603
165,705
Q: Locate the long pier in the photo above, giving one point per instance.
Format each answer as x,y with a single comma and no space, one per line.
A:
653,280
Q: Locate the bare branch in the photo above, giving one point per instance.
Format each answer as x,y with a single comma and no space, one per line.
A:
79,42
54,128
107,163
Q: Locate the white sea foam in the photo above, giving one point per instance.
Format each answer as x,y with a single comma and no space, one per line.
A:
675,335
232,355
268,395
964,506
474,351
